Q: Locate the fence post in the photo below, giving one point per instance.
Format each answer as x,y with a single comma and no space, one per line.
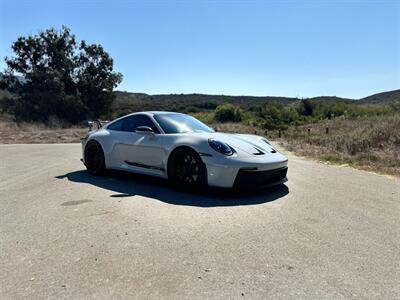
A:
327,130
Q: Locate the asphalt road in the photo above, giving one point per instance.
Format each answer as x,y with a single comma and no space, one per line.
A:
331,232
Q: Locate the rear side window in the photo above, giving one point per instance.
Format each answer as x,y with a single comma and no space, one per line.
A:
116,125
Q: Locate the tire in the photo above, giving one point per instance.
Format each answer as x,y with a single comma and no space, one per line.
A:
94,158
186,170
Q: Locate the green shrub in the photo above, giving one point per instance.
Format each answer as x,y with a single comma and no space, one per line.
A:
228,113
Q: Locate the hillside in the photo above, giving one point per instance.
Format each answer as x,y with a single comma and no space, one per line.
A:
128,102
203,97
382,98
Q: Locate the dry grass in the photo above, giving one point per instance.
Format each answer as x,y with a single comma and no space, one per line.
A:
371,143
28,133
236,128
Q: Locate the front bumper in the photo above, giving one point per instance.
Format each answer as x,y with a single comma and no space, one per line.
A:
253,171
258,179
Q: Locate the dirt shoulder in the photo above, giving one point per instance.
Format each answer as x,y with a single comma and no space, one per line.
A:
27,133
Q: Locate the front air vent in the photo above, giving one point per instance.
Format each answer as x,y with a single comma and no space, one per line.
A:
259,152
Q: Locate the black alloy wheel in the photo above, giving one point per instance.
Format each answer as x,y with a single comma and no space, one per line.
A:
94,158
186,170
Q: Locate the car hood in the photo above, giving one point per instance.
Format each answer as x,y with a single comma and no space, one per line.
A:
244,144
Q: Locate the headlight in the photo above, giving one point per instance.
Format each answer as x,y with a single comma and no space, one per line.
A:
221,147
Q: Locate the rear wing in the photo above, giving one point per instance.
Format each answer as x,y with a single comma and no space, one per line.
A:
96,124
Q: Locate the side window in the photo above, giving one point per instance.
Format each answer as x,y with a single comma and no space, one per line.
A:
116,125
130,123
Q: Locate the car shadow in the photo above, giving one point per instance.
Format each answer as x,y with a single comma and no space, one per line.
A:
127,185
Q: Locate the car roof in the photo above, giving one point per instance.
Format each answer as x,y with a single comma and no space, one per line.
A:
153,112
148,113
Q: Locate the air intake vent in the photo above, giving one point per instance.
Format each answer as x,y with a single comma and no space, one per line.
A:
259,152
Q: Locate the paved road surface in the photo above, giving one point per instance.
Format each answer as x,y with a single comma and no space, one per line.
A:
331,232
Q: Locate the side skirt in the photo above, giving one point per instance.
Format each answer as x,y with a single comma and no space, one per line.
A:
144,166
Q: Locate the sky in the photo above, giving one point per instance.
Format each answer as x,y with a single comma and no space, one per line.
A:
261,48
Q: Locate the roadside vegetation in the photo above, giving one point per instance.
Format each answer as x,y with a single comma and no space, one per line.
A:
368,142
12,132
52,84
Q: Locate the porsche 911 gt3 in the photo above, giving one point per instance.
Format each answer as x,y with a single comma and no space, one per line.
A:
184,150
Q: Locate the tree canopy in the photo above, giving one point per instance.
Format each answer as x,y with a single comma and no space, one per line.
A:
53,75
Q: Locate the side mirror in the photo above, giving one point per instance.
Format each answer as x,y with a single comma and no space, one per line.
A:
144,130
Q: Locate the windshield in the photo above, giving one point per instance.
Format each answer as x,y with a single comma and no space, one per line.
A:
180,123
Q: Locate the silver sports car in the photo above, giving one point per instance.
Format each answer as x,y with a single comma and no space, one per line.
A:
183,149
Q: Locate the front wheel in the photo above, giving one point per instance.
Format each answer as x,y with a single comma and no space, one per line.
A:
94,158
186,170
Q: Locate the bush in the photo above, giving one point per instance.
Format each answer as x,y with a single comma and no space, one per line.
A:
277,116
228,113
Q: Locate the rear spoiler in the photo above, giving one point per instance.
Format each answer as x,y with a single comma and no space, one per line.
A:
96,124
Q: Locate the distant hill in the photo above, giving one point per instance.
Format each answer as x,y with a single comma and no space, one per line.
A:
129,102
124,96
382,98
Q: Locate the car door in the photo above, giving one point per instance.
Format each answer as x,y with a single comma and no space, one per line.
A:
140,151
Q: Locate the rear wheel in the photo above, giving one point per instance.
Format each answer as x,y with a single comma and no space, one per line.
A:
186,170
94,158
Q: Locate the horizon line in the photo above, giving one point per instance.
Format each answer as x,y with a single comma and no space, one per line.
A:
258,96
